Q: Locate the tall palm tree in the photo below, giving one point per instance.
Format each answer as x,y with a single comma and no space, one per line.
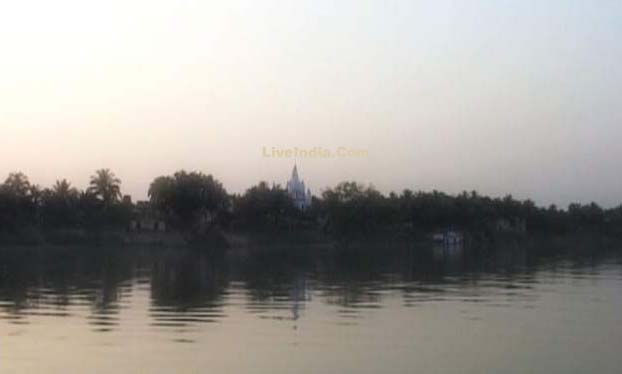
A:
63,189
106,186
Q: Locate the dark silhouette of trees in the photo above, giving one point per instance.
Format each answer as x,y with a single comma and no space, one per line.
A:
90,210
101,202
64,191
197,202
188,200
613,220
262,206
106,186
17,184
60,205
353,208
25,206
18,202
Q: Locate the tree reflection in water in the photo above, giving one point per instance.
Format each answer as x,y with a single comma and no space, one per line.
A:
189,287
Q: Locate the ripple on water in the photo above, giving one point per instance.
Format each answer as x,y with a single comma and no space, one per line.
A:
321,310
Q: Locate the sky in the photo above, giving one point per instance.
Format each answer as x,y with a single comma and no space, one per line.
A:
502,97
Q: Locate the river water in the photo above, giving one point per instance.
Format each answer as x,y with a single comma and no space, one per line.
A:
311,310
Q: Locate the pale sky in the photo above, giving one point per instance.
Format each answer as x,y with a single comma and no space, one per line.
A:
520,97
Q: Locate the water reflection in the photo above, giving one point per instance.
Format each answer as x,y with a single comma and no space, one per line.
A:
184,295
187,288
190,287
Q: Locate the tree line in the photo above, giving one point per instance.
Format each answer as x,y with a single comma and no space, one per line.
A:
23,204
196,201
350,207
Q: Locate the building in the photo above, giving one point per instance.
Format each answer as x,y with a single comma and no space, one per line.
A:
297,191
146,219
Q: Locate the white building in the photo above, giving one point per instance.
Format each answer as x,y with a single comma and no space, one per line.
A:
297,191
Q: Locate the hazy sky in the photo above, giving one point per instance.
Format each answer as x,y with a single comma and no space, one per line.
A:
521,97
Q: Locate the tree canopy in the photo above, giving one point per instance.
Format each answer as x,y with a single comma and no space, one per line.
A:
106,186
187,199
262,206
191,200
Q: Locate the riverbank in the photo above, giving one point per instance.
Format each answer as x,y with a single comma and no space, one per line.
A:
242,241
212,239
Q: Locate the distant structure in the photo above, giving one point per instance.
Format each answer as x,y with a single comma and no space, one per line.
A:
297,191
145,219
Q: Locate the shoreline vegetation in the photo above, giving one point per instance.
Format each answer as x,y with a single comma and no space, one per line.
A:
194,209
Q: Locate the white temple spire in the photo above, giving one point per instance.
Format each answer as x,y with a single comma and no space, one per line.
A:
295,172
297,191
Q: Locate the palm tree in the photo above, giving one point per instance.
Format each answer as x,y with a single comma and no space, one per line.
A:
63,190
106,186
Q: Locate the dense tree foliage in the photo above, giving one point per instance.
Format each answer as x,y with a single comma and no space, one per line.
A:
60,205
263,206
353,208
24,205
18,202
189,199
105,186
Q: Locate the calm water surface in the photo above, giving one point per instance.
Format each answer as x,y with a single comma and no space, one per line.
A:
307,310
